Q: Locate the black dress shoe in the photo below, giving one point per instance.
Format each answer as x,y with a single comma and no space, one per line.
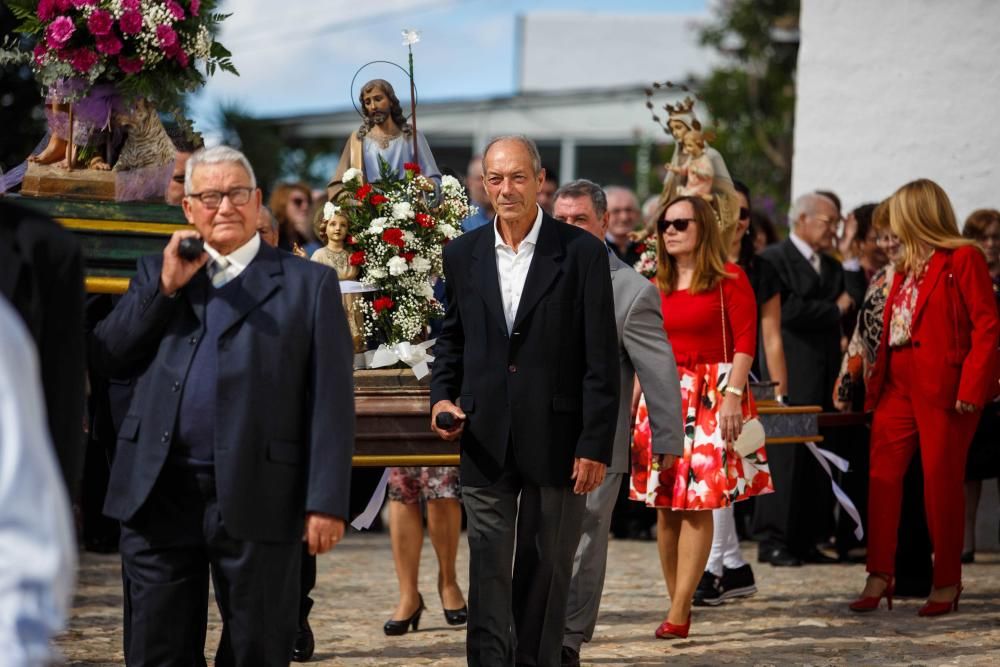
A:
781,557
570,657
457,616
816,556
305,644
393,627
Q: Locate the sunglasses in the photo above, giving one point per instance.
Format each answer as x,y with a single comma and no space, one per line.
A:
298,201
680,224
744,213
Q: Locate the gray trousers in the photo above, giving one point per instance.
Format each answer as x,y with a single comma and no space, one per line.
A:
590,563
518,587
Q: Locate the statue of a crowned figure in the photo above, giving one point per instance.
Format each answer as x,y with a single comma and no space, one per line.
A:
697,169
384,134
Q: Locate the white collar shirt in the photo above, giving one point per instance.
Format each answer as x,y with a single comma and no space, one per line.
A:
811,255
224,268
512,267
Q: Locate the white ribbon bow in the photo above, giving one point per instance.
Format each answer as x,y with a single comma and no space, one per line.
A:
414,356
825,458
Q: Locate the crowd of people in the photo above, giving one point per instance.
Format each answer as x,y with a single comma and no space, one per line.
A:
577,388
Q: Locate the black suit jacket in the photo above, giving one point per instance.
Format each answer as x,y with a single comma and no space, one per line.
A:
41,274
285,422
550,388
810,322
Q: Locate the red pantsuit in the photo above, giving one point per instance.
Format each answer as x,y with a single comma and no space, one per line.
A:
951,357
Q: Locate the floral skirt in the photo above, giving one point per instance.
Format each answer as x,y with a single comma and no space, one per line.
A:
410,485
709,475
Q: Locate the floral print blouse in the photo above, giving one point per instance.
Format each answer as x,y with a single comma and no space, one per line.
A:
903,307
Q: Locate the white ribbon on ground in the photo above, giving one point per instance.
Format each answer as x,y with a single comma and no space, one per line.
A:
364,520
825,458
355,287
414,356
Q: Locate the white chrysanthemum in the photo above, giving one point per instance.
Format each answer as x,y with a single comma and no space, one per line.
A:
329,210
402,211
448,231
421,264
397,266
351,174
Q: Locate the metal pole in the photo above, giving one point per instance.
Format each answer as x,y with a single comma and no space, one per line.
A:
413,108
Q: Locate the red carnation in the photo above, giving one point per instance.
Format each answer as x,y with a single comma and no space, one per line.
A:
131,4
412,166
100,22
40,52
166,36
363,192
59,32
182,58
46,10
393,236
130,65
83,59
424,220
378,200
176,10
357,258
110,45
640,248
130,22
349,240
408,256
382,303
195,6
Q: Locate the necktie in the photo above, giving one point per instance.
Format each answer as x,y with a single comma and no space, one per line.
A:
815,261
217,271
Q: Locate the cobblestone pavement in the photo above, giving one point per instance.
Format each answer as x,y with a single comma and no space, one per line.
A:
798,617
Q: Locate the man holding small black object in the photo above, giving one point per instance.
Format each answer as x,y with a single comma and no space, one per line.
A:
238,442
527,365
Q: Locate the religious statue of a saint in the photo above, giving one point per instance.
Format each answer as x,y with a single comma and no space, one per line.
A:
384,134
697,169
331,230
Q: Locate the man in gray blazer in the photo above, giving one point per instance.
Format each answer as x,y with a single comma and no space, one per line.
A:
642,348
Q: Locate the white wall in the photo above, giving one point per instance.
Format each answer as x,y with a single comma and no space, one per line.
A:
580,51
894,90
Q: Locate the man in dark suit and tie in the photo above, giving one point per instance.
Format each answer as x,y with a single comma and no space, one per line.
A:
527,365
813,300
237,444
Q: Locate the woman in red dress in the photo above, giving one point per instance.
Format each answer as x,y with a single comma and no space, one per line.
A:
710,316
934,372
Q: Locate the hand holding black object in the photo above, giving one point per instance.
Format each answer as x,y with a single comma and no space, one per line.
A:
177,269
445,420
190,248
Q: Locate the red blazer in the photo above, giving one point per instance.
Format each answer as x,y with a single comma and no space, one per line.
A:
954,333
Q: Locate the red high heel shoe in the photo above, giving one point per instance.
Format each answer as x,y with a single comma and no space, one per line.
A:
871,603
668,630
941,608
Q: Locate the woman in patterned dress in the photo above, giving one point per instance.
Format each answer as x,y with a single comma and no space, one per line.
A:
710,316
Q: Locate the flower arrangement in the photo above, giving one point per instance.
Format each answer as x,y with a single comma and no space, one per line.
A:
647,259
397,239
147,48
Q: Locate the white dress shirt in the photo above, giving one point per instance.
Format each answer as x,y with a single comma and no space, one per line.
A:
512,267
37,549
223,268
811,255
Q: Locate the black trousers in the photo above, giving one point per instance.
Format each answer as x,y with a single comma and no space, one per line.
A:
169,550
518,595
800,509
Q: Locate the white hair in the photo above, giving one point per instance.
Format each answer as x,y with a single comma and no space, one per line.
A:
216,155
806,205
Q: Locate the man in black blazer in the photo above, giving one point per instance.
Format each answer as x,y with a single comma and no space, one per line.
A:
41,274
813,300
237,444
527,364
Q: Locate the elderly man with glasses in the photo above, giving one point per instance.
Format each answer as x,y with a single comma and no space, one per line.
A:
237,444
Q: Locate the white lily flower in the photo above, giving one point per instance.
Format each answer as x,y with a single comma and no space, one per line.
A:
410,36
350,175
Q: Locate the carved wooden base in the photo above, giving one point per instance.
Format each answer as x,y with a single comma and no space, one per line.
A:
51,181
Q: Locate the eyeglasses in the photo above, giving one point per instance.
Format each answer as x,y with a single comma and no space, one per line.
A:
680,224
298,202
212,199
744,213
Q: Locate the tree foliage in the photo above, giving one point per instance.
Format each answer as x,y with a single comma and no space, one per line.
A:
752,96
